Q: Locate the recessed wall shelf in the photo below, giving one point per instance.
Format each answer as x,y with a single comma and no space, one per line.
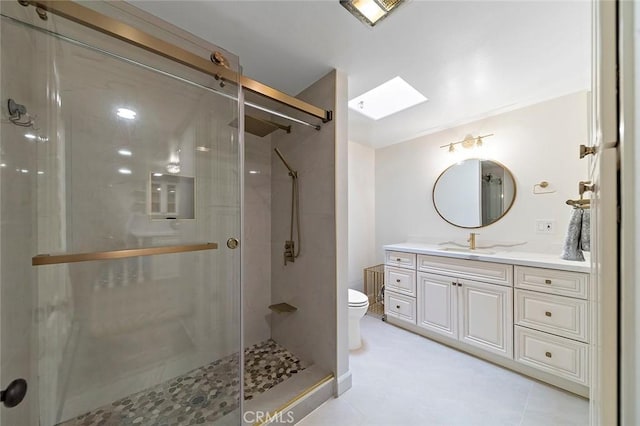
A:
282,308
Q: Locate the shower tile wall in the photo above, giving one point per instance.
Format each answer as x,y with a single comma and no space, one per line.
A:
257,239
310,282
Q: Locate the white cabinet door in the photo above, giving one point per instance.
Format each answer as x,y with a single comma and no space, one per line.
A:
486,317
437,304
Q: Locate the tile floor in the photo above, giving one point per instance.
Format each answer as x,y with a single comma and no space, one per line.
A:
201,396
400,378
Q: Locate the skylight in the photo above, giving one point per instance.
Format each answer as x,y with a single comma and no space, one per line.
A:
390,97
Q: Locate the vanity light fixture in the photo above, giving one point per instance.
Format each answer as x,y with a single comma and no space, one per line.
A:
174,165
370,12
468,142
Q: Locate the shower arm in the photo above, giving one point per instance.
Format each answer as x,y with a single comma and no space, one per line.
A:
292,172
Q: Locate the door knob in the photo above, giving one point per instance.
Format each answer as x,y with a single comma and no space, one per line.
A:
14,393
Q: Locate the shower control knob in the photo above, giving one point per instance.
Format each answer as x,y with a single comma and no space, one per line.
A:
232,243
14,393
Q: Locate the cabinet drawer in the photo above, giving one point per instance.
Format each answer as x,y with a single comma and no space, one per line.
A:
495,273
555,355
564,283
399,258
400,307
400,280
554,314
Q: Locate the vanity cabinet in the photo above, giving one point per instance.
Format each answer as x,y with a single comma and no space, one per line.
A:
552,321
531,319
400,286
473,312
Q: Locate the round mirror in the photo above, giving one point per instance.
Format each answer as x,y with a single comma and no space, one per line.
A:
474,193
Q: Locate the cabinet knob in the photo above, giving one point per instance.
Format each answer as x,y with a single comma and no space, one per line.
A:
398,260
547,281
547,354
453,283
398,280
548,313
397,306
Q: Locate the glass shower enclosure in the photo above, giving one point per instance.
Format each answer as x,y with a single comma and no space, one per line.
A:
120,212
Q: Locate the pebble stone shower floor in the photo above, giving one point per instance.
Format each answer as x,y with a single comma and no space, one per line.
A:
200,396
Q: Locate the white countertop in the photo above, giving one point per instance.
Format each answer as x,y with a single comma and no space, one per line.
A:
498,255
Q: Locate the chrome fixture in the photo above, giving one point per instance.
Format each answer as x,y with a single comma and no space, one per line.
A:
370,12
290,251
468,142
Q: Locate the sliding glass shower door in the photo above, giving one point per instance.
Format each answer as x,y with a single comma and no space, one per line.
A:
119,213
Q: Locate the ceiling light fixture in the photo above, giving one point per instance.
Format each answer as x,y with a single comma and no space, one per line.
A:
125,152
124,171
468,142
126,113
370,12
388,98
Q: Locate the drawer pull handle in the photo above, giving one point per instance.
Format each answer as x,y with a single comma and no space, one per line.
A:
397,306
454,283
548,313
547,281
547,354
398,260
398,280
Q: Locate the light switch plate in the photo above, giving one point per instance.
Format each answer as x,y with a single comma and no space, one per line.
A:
545,226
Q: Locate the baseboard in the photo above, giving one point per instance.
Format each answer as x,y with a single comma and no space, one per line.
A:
343,383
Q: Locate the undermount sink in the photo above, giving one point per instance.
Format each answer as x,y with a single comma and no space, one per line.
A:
467,250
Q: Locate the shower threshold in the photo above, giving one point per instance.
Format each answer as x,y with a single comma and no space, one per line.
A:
201,396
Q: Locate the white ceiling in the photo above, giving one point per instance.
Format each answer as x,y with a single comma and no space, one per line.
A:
470,58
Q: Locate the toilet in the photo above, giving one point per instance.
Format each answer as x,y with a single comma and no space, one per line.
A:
358,305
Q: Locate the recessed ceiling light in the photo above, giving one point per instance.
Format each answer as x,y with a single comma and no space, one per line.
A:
254,172
157,174
30,136
202,149
125,152
124,171
127,113
24,170
3,164
390,97
40,172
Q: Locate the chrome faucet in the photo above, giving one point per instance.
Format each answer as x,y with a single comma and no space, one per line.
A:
472,240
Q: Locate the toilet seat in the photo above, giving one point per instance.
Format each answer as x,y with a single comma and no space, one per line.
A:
357,299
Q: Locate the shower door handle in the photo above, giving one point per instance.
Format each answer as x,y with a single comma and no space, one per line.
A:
14,393
232,243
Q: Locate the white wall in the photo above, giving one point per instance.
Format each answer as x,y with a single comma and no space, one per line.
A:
539,142
362,206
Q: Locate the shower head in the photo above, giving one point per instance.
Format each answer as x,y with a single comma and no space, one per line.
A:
292,172
260,126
